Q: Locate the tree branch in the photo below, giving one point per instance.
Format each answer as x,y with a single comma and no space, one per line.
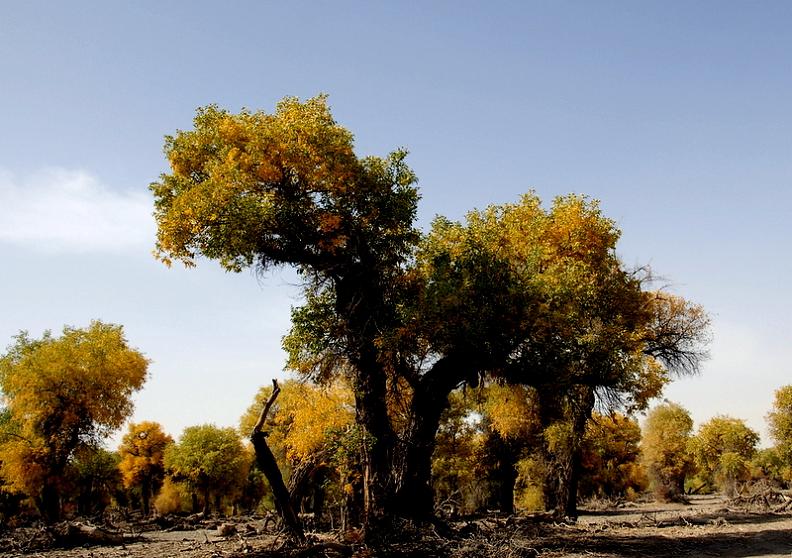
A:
17,436
265,410
269,466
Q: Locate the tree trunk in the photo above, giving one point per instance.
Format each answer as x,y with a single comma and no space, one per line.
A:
268,465
206,501
300,479
508,480
561,484
85,498
318,496
505,472
414,495
360,299
581,410
145,495
550,411
372,414
50,501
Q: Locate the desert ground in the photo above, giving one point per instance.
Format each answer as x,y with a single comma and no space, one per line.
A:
706,526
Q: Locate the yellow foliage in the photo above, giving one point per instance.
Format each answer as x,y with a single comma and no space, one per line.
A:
23,465
779,421
529,491
303,417
664,447
233,175
61,392
142,452
610,456
169,499
512,411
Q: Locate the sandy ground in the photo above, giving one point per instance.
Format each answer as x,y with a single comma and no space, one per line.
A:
705,527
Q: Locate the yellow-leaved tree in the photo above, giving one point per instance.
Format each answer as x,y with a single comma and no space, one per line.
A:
142,463
611,464
666,435
536,296
63,393
311,430
779,420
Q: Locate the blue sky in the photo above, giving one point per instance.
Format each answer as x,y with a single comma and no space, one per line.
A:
678,117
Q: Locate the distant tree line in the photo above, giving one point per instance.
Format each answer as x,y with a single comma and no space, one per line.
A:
492,452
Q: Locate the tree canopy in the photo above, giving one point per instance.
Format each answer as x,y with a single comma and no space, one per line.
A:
210,459
530,295
722,449
63,393
779,420
666,434
284,188
142,452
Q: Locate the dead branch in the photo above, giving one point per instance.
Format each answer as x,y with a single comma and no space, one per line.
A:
266,462
265,410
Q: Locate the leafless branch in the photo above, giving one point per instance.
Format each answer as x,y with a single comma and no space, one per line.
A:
265,411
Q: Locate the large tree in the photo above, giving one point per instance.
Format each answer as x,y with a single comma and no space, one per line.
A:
261,190
63,393
538,297
532,295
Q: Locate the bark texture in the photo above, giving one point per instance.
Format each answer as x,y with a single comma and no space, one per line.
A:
266,462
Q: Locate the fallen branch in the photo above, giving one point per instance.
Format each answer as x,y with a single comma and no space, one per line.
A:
78,534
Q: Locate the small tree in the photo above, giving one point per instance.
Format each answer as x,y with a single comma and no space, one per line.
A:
665,449
63,393
142,464
722,450
780,422
611,456
768,465
211,460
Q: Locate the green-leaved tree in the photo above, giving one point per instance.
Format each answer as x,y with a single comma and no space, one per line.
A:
211,460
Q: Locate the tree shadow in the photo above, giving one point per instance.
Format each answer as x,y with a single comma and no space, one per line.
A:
648,517
728,545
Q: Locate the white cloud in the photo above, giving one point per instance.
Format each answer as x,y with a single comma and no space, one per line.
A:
71,210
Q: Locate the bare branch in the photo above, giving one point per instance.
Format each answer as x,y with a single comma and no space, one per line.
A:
265,411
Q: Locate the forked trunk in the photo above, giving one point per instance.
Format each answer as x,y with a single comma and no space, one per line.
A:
414,494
